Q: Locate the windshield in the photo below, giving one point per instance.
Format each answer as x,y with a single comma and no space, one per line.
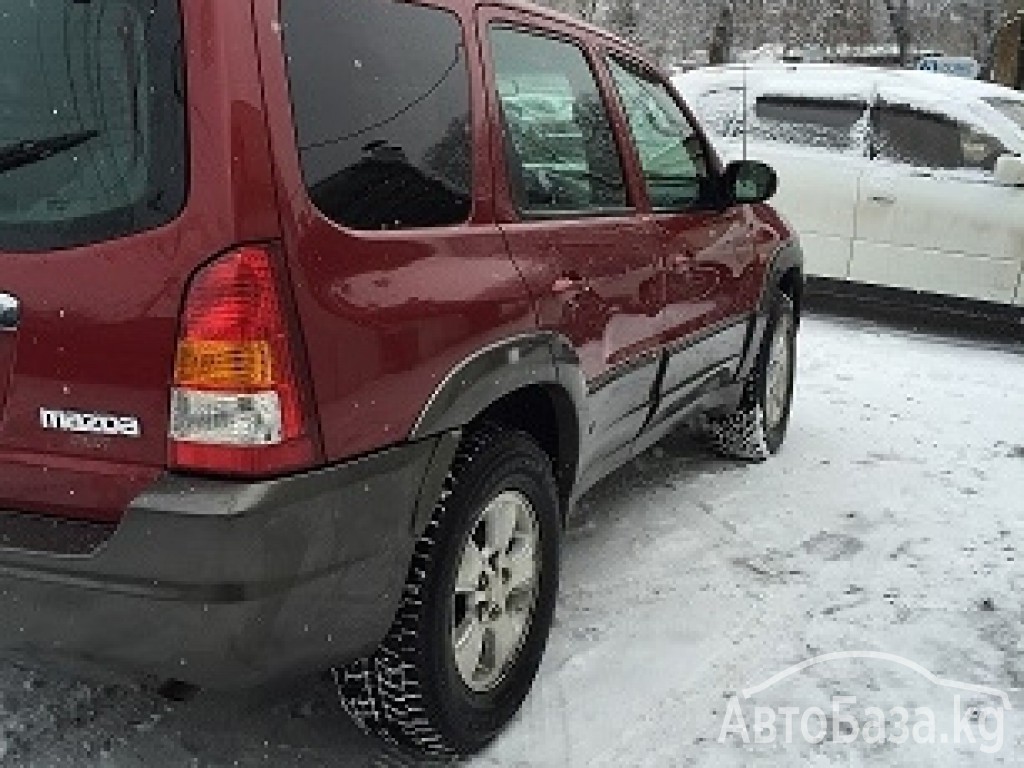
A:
1011,108
83,87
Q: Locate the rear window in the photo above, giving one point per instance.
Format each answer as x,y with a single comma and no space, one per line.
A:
381,102
904,134
92,120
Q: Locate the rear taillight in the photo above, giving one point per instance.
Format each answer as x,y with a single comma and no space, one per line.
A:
237,405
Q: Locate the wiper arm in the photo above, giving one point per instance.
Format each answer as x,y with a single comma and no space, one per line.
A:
31,151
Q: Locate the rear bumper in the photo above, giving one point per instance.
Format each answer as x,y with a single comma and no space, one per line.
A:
225,584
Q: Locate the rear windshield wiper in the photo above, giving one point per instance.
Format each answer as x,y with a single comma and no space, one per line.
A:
30,151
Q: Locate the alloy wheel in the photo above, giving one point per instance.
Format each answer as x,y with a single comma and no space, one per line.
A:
495,590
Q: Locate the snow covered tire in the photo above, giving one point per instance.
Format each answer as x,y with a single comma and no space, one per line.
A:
756,429
412,691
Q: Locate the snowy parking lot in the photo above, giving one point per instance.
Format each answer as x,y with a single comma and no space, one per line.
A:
890,529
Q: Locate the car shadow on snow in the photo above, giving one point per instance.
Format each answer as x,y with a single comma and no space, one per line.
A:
676,461
50,718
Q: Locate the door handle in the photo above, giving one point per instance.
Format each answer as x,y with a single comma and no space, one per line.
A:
568,284
882,199
681,262
10,312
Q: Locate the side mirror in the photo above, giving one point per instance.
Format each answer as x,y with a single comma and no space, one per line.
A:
1010,171
748,181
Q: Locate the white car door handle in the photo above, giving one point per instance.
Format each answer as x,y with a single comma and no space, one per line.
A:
882,199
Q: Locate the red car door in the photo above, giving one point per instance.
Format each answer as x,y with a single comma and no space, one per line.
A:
570,221
707,253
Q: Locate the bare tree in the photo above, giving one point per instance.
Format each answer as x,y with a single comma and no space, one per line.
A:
899,17
720,47
1008,47
673,30
587,9
624,19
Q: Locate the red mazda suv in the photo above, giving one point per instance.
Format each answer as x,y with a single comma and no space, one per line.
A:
317,317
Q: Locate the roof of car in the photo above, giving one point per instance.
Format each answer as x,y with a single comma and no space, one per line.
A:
533,8
840,79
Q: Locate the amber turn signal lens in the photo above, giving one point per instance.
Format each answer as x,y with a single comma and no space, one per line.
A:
224,365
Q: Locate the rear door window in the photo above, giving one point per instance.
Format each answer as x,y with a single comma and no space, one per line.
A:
381,102
910,136
92,120
561,153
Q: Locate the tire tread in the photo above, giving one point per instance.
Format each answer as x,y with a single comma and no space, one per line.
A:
383,693
741,434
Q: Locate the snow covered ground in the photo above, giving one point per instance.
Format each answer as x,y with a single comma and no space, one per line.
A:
892,521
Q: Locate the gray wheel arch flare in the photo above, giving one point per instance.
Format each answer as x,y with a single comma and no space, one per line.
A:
475,384
787,259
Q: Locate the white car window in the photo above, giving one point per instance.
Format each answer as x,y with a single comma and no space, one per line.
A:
818,123
910,136
814,122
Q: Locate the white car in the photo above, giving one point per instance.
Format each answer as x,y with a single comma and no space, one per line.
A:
894,179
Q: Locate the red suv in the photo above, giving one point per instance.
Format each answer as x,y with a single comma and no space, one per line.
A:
318,317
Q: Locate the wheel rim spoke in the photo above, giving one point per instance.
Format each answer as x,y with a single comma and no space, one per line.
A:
521,566
468,578
469,647
506,633
500,522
